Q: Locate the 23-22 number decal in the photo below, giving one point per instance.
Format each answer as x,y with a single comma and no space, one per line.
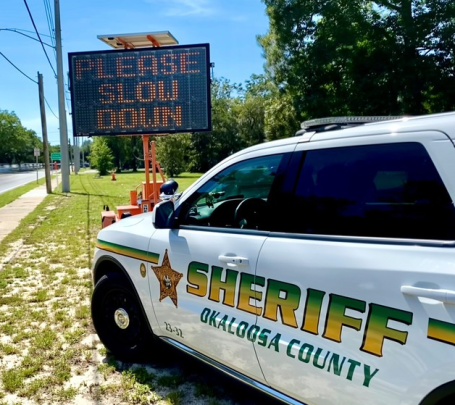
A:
175,330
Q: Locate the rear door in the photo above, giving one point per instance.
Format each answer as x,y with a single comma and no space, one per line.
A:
357,274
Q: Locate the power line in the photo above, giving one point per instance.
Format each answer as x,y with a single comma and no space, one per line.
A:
50,108
31,32
50,21
37,33
28,77
50,24
25,35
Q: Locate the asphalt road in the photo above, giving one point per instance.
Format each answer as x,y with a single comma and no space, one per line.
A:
10,181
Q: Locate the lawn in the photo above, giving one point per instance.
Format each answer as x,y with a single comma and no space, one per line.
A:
114,193
49,351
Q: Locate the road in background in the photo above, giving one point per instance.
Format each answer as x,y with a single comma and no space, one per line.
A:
10,181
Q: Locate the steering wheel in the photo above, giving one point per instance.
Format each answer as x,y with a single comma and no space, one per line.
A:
249,213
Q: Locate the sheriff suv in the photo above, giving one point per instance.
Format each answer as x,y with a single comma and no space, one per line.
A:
319,268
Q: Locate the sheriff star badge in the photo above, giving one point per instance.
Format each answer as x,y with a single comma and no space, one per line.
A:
168,279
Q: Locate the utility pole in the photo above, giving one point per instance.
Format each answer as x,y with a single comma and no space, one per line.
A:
61,103
47,170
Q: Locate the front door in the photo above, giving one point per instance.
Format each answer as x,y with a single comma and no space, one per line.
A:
203,288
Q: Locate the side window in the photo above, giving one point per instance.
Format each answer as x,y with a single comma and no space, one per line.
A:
237,197
391,191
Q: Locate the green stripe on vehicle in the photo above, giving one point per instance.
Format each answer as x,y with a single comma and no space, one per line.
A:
128,251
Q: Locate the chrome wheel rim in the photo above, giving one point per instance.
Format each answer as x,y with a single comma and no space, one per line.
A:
122,319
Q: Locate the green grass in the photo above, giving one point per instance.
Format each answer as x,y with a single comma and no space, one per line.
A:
175,398
66,394
10,196
12,380
171,381
114,193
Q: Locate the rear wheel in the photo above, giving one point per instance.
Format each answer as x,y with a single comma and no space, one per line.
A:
118,318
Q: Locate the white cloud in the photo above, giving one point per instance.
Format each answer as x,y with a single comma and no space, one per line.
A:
181,8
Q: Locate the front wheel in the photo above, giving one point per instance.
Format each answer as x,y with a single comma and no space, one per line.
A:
118,318
450,400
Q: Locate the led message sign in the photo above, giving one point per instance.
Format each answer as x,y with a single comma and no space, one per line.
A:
141,91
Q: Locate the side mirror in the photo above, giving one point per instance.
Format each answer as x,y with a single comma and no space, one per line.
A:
163,215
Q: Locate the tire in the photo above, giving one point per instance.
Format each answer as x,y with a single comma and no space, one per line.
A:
447,401
118,318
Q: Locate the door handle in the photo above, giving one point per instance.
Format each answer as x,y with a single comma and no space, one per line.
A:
234,260
446,296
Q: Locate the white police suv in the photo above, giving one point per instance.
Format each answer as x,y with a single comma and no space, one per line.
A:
320,269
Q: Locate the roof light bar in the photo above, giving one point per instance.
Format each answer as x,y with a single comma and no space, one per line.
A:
347,120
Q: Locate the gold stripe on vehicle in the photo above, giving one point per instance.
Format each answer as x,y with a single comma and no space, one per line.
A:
128,251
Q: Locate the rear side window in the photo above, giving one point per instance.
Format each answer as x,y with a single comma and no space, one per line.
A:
391,191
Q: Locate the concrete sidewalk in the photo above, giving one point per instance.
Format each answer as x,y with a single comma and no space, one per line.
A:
12,213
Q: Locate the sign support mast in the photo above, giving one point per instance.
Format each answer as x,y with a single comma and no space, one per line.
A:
61,104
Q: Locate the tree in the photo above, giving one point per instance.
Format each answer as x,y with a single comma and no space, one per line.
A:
27,142
86,149
280,116
363,57
121,151
16,141
208,148
202,152
101,156
249,111
126,150
170,152
9,127
268,110
136,151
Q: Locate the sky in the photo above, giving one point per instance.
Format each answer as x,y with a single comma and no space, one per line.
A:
229,26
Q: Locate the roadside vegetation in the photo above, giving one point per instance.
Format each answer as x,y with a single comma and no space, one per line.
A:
49,351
